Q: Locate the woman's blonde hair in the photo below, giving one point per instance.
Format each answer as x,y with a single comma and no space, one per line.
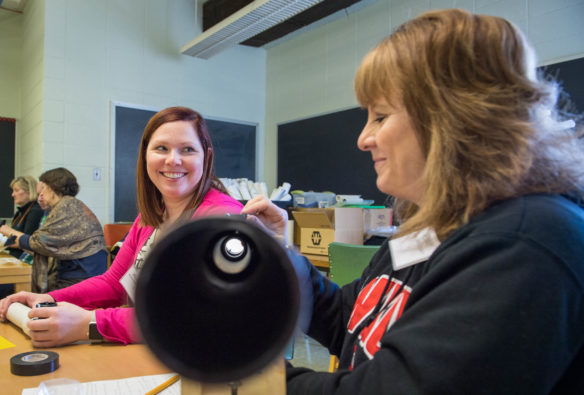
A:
27,184
485,123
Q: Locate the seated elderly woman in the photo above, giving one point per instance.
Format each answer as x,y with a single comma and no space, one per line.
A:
28,213
69,247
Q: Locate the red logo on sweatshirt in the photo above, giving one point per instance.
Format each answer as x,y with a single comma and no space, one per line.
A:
392,303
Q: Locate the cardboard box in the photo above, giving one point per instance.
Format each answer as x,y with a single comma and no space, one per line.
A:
317,228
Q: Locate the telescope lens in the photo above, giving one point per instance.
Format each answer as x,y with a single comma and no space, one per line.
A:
234,247
231,255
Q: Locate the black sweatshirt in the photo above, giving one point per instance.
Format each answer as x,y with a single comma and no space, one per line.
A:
26,220
497,308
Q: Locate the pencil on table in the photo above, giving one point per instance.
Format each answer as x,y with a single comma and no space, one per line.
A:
163,386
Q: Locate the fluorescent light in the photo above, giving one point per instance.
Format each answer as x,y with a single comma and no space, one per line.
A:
251,20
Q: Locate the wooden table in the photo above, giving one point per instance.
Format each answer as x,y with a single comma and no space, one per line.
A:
83,362
17,273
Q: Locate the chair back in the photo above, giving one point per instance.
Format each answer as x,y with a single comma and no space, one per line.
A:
347,261
114,233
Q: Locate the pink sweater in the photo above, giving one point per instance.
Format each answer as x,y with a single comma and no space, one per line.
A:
106,293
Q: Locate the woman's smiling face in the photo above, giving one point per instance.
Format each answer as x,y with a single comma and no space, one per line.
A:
174,160
395,150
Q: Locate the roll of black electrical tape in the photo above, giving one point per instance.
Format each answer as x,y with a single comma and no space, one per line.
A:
33,363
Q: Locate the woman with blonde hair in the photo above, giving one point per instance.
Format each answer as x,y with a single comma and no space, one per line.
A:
482,289
28,213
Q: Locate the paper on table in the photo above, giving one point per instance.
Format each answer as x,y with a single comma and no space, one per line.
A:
4,343
18,314
9,261
131,386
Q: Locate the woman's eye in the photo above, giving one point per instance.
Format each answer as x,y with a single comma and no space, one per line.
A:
380,119
160,148
188,149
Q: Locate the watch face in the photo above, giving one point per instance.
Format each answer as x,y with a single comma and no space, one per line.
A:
93,332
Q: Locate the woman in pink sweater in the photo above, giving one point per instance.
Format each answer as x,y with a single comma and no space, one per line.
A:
175,181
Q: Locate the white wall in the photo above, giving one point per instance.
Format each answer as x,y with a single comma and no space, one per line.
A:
99,52
29,128
10,60
21,65
312,72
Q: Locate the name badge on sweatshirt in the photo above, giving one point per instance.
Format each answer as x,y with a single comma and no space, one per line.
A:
413,248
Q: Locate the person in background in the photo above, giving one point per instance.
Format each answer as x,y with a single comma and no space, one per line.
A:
26,219
52,262
482,289
26,255
46,209
71,234
175,182
28,213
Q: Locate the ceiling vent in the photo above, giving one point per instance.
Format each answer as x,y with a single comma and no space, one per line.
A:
249,21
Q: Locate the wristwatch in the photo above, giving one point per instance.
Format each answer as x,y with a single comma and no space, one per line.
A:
93,334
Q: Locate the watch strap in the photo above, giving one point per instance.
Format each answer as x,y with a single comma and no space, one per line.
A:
93,333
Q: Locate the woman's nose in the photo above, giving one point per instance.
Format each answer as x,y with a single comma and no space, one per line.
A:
173,157
366,139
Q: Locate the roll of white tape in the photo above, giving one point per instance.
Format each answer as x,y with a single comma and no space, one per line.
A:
18,314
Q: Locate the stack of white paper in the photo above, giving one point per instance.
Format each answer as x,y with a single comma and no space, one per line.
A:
245,189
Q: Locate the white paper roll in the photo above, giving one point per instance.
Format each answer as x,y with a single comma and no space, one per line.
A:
244,191
252,189
275,195
234,192
18,314
263,189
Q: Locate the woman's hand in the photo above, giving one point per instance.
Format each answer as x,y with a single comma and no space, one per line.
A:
263,212
26,298
66,323
6,230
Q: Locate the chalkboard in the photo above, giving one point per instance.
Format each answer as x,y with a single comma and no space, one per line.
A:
129,126
7,130
234,145
235,149
320,154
